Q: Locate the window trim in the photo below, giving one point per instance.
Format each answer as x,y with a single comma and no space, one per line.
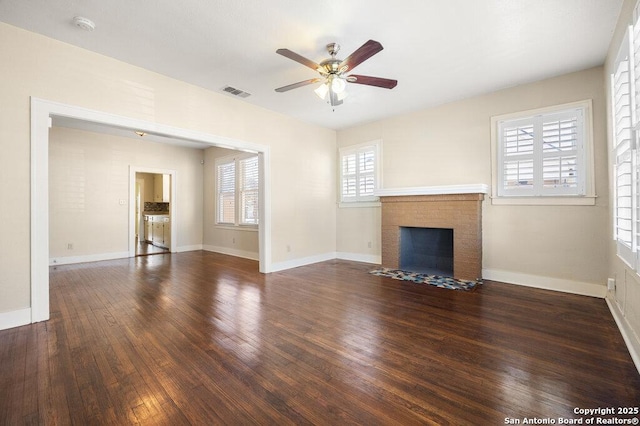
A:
361,201
236,159
589,197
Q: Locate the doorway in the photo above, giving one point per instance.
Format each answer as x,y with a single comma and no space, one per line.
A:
42,113
152,214
152,224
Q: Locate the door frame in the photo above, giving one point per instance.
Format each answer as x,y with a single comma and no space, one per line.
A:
139,207
172,205
42,114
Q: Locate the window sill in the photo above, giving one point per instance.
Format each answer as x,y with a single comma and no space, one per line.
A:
589,200
623,260
352,204
250,228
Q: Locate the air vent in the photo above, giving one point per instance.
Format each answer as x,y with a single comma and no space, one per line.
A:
236,92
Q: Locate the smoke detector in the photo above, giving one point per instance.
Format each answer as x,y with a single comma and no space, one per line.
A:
84,23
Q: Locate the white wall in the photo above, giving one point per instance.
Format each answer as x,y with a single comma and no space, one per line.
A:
302,194
89,175
625,299
560,247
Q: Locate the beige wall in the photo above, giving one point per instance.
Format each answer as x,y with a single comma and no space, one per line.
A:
89,175
302,194
625,299
450,144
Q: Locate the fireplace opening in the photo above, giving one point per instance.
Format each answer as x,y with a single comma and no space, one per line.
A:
426,250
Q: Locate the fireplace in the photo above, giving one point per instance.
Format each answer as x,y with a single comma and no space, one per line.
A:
426,250
456,208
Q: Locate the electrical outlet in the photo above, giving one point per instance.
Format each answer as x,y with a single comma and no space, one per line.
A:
70,246
369,244
123,202
288,248
611,284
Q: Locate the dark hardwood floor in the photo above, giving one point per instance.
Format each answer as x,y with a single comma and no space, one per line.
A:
144,248
203,338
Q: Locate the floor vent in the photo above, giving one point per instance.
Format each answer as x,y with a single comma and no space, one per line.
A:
236,92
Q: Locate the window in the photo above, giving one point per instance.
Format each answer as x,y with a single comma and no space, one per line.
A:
237,190
544,155
360,172
624,155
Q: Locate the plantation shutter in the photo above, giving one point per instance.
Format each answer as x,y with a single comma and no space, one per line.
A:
623,154
359,173
366,172
226,176
249,186
632,43
561,144
349,177
542,155
517,154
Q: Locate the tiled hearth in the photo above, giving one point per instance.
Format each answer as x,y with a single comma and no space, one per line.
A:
457,207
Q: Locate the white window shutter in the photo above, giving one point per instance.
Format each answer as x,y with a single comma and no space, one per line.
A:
625,169
359,172
226,176
562,171
542,154
249,187
237,190
349,177
366,172
517,139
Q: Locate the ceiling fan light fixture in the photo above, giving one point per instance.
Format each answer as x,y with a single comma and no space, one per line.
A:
322,90
332,72
337,85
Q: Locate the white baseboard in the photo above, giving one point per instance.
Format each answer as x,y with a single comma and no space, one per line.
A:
630,337
294,263
232,252
87,258
194,247
15,318
67,260
359,257
547,283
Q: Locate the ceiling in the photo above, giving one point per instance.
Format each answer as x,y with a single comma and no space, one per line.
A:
438,50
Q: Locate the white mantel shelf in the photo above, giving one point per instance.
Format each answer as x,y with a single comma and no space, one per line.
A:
479,188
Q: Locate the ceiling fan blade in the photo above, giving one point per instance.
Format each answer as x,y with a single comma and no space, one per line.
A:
298,84
363,53
298,58
372,81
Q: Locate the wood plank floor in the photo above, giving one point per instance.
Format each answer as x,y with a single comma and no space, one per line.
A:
144,248
203,338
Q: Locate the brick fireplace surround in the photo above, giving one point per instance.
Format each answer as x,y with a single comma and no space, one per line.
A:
457,207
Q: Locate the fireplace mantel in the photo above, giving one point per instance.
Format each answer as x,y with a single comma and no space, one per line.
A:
478,188
457,207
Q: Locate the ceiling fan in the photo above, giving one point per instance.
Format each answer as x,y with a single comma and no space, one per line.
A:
333,72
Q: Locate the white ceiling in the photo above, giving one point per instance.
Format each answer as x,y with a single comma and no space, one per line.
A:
438,50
